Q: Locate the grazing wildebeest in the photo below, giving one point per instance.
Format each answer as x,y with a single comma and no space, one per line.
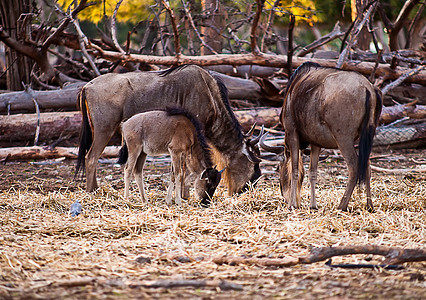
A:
327,108
111,98
175,132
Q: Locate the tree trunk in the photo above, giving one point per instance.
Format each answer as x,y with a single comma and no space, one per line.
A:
357,7
211,10
18,66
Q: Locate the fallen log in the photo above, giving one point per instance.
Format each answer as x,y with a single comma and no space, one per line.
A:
20,129
62,99
37,152
258,90
221,284
262,59
392,256
400,133
399,111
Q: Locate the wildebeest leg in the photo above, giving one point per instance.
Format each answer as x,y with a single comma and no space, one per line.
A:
351,158
180,178
99,142
171,187
368,189
130,168
293,145
313,171
186,186
139,175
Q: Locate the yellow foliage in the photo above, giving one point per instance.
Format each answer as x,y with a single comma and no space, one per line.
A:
303,10
131,11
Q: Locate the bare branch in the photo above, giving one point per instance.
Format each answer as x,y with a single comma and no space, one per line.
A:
174,26
402,78
253,43
290,45
191,21
114,29
355,32
262,59
336,33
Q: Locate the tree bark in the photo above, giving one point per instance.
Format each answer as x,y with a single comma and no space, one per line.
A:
57,99
37,152
21,128
18,65
212,14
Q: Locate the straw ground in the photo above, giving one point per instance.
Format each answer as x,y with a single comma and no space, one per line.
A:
128,249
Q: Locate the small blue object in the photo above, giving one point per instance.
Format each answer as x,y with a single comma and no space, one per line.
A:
75,209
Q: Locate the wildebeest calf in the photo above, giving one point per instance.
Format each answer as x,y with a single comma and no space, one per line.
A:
175,132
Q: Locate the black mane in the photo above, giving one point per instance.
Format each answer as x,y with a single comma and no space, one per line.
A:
166,72
301,70
225,99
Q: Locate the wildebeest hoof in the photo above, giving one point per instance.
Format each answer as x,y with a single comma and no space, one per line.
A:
370,209
314,207
205,203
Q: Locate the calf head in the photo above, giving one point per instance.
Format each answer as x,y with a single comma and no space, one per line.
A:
206,185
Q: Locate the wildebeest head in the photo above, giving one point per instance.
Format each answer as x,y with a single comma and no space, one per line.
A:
244,164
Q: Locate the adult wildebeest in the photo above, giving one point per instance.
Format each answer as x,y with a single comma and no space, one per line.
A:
175,132
111,98
327,108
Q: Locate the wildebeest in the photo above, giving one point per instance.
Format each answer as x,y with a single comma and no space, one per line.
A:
327,108
111,98
175,132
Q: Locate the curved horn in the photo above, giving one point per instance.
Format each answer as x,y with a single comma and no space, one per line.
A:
250,132
250,155
273,149
255,140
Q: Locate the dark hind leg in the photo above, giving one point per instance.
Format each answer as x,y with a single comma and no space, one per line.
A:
368,189
351,159
313,172
99,142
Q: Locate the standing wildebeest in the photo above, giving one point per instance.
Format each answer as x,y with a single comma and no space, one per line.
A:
175,132
111,98
327,108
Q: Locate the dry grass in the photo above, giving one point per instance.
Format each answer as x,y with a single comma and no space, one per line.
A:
43,249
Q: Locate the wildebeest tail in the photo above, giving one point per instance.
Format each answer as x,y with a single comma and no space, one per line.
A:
123,155
85,134
368,131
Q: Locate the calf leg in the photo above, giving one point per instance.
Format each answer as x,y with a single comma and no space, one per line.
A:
129,168
351,158
180,178
171,186
138,171
313,172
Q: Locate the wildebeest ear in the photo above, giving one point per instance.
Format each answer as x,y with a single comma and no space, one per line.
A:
250,155
205,174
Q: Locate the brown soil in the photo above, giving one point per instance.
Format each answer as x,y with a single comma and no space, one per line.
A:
116,247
